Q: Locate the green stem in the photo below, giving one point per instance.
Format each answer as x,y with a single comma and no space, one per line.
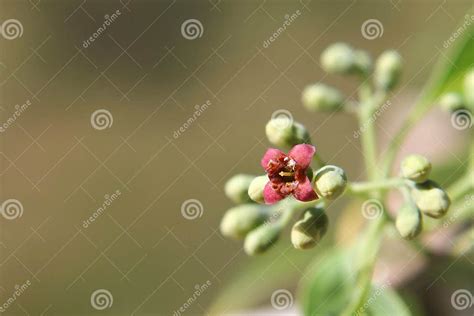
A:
368,143
465,183
393,146
365,187
367,255
460,187
370,244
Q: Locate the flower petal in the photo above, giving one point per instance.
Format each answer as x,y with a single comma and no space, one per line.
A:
302,154
271,196
305,192
271,153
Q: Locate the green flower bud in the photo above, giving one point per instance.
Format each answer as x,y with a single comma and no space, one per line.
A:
284,133
236,188
256,187
363,61
388,68
338,58
409,221
330,182
431,199
309,230
469,89
416,168
451,102
261,239
320,97
241,219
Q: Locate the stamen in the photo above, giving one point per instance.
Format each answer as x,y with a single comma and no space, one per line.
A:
286,174
291,164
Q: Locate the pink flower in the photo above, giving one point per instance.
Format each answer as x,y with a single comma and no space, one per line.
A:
287,174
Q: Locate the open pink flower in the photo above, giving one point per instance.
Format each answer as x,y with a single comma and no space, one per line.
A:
287,174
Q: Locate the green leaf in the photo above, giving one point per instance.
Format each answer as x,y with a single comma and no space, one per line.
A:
259,276
330,283
452,65
385,301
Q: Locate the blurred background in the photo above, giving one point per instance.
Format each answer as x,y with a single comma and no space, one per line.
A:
140,156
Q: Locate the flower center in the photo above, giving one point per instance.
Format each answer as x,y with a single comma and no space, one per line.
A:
284,174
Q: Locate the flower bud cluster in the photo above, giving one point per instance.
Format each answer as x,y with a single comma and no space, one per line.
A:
260,225
424,196
342,59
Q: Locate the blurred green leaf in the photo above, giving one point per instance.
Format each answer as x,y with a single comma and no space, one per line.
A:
331,283
327,291
452,64
385,301
259,276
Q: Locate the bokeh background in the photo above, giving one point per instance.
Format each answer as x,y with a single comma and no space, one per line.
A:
149,77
